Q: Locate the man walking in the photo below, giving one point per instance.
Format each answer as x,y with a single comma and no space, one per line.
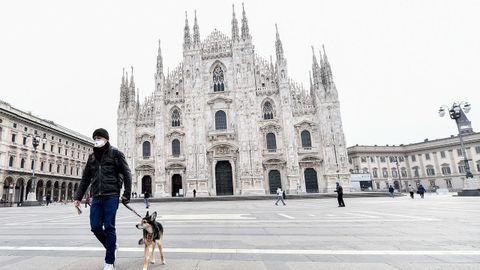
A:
105,169
339,191
411,190
280,196
421,191
146,199
47,198
391,190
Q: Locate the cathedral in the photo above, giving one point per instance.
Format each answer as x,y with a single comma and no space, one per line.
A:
226,121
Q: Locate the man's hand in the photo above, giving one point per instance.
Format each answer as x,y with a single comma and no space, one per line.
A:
125,199
76,203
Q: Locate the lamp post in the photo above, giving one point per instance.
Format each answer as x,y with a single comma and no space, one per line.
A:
36,139
398,173
457,112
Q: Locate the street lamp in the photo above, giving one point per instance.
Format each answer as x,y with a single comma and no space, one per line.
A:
398,173
36,139
457,112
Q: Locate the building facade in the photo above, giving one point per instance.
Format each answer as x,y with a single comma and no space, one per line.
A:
54,168
437,163
226,121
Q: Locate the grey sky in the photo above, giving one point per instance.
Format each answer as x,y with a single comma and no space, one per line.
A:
394,62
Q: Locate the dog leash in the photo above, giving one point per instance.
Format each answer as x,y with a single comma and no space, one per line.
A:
129,208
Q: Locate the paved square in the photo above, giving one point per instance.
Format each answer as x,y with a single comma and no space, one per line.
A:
439,232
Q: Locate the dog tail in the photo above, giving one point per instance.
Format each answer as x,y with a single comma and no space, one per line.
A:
141,241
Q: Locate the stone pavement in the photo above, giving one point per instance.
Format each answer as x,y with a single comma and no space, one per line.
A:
439,232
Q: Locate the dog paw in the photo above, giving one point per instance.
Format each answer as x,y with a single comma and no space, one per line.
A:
164,262
152,262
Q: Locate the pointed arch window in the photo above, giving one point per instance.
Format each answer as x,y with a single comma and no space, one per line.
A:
176,148
306,139
218,79
267,110
10,162
176,118
271,142
220,120
146,149
22,163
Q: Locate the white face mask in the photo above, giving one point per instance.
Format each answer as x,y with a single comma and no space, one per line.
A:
99,143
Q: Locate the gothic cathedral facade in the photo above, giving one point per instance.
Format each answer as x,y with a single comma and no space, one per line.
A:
226,121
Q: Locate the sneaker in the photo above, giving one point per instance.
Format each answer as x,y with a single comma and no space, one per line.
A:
109,267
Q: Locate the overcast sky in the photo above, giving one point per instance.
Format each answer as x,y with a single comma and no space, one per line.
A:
394,62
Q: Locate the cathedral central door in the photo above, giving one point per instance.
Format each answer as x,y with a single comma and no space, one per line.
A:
311,183
274,181
176,184
223,178
147,184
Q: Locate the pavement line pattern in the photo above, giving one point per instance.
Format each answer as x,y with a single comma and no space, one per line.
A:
259,251
286,216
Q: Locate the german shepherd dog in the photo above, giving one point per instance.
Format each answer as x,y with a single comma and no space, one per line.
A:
152,235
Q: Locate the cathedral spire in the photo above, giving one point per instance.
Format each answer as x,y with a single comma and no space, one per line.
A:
159,59
278,46
327,71
132,82
315,69
235,35
138,99
123,77
123,90
245,30
314,61
187,39
311,83
196,32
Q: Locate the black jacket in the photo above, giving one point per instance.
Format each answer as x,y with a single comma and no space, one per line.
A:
339,190
106,175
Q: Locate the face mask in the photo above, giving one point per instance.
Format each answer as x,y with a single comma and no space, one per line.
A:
99,143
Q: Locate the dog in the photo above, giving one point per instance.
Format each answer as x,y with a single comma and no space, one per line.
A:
152,236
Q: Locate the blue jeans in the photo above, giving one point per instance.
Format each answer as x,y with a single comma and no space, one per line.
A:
147,202
102,224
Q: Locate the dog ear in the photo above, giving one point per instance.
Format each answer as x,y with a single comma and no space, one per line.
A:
146,214
154,216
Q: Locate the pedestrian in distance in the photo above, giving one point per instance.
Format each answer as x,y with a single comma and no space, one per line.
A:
48,198
194,193
421,191
280,196
105,172
411,190
87,200
284,195
146,199
339,190
392,191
